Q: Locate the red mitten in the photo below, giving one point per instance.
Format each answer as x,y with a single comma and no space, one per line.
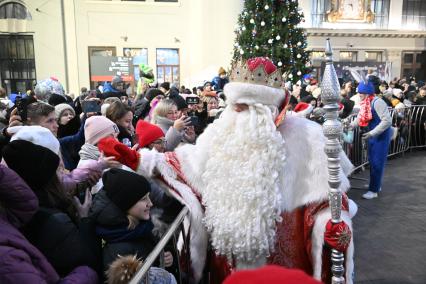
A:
337,236
106,146
123,154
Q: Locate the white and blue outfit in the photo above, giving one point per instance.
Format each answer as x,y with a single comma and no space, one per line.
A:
378,145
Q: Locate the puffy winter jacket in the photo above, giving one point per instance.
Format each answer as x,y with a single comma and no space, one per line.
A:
20,261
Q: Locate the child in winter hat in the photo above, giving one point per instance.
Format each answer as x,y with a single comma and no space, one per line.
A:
122,216
150,136
64,113
98,127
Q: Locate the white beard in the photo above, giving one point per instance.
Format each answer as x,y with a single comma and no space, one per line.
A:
242,192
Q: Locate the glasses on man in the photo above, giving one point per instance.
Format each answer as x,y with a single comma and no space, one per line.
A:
160,142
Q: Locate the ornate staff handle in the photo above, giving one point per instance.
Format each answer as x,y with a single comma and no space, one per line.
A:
330,90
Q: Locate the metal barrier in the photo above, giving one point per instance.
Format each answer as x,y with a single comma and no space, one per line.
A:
409,124
142,272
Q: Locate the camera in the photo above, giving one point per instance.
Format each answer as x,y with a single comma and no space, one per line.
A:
21,104
192,100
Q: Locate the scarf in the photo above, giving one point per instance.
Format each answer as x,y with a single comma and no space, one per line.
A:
365,114
123,234
89,152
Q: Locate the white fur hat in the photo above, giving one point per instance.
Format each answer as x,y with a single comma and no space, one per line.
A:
255,81
397,93
37,135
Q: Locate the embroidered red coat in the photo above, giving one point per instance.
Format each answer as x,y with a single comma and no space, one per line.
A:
300,237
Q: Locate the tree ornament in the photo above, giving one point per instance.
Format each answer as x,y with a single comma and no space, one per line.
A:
290,76
256,37
299,73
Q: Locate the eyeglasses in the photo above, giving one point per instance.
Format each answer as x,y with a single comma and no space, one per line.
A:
160,142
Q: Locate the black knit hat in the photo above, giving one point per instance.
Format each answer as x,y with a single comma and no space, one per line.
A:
165,85
179,101
35,164
124,188
56,100
152,93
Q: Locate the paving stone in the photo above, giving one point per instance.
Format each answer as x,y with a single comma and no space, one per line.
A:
390,231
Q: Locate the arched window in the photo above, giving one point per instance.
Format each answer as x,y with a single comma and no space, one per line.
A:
14,10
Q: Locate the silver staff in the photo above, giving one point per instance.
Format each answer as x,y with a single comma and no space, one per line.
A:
330,90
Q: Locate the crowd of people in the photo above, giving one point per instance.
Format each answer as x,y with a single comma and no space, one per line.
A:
70,213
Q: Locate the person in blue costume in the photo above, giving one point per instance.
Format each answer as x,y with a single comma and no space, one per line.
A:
374,116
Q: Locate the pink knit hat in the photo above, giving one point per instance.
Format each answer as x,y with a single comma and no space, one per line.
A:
98,127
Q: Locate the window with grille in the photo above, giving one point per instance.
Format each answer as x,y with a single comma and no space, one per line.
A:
414,14
412,64
17,63
168,65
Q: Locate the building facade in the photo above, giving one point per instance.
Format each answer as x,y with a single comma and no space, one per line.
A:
182,40
84,42
389,35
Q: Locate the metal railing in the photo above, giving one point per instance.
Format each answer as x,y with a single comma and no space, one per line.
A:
409,122
142,272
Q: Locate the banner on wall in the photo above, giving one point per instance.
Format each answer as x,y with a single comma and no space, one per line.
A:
379,69
104,68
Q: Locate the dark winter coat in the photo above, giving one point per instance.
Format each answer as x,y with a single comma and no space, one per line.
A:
57,234
70,128
219,83
70,146
108,216
20,261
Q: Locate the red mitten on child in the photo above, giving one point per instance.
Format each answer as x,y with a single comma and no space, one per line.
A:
337,235
123,154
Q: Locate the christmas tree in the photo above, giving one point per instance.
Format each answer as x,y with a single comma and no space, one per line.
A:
269,28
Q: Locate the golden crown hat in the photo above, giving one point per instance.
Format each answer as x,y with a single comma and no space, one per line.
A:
240,72
255,86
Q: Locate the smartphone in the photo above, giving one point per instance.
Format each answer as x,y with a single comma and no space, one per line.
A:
80,191
91,106
192,100
194,120
21,106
